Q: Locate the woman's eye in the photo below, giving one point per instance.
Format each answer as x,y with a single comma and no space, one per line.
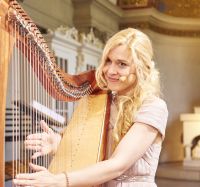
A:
107,62
123,64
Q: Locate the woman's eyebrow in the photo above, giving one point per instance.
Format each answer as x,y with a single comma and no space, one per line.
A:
118,60
121,60
107,59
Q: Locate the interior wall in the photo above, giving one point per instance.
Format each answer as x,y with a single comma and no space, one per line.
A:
178,59
50,13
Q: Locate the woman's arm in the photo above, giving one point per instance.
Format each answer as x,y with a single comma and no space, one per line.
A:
131,148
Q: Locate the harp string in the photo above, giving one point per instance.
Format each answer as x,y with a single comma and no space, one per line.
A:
46,95
48,118
27,111
36,95
61,105
17,111
23,87
29,95
14,110
17,98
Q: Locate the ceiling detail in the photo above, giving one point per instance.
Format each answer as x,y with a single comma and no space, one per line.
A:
175,32
166,31
133,4
178,8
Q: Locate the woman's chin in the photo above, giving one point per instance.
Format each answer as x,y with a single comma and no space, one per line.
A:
113,88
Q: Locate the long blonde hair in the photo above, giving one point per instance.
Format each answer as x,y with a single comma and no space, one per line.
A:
147,83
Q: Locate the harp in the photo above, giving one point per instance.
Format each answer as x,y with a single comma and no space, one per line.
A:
36,82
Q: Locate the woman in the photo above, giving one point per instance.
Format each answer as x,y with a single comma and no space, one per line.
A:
137,121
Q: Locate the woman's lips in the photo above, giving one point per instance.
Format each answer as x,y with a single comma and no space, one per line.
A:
111,79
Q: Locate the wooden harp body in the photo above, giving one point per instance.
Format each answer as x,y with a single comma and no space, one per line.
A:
78,150
84,137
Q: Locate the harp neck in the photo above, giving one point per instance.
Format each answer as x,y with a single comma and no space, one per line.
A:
63,86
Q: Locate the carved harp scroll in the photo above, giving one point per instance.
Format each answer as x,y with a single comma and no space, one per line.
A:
21,41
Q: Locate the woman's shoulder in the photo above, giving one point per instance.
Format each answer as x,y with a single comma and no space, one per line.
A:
153,111
154,102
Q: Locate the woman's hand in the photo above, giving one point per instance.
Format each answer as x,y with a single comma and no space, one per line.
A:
43,143
41,178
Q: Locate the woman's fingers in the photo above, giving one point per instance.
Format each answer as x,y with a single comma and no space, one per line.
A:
37,136
34,147
39,178
32,142
45,127
37,168
36,154
22,182
27,179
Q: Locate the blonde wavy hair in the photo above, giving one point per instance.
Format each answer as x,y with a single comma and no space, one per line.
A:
147,83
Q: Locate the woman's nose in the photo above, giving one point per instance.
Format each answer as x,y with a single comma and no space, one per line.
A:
112,69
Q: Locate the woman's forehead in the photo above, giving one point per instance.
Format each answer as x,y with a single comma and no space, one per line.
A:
120,52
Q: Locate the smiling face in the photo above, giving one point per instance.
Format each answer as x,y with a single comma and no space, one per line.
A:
119,70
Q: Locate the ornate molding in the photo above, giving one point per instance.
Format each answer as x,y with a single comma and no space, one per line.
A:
179,8
67,32
154,20
175,32
132,4
74,34
162,30
91,39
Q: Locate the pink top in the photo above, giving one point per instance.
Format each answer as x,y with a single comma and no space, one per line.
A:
142,173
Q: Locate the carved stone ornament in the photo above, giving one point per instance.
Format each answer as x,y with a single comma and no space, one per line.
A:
68,32
91,39
74,34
